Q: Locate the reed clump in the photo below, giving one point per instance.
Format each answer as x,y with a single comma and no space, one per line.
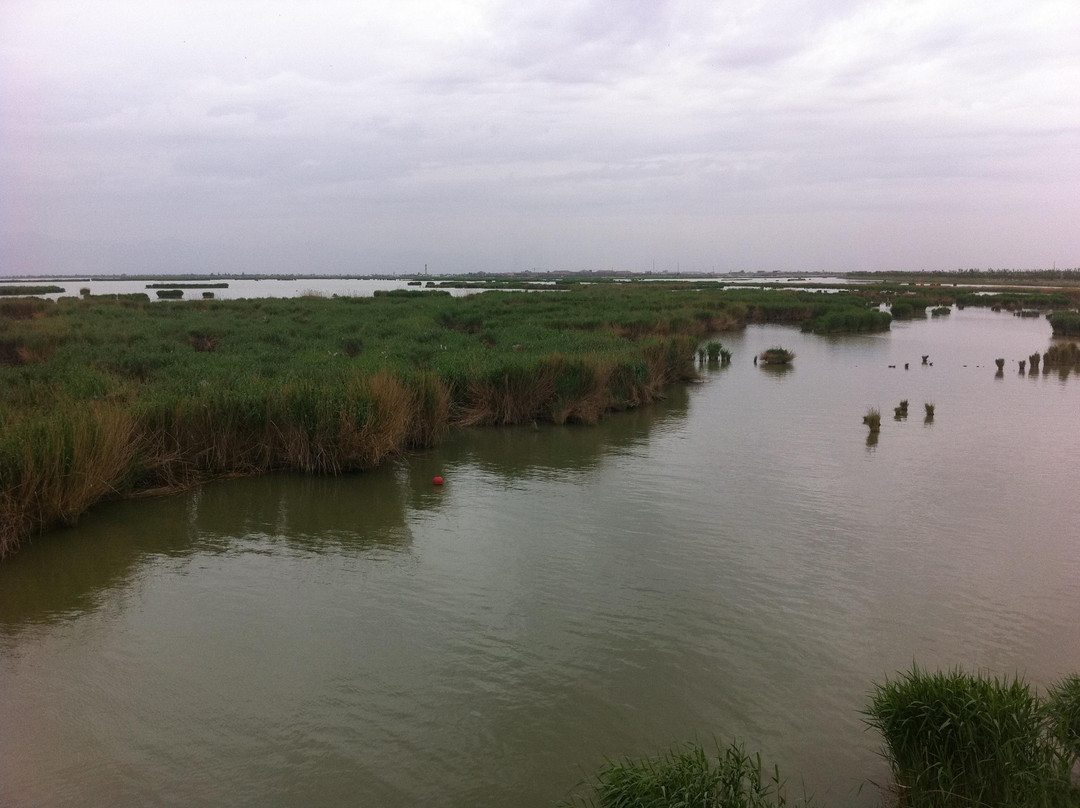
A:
873,419
929,407
1000,363
776,356
199,388
687,776
1065,323
322,385
57,464
959,739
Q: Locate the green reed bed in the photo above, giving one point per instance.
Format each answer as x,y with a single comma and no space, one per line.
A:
1015,301
1065,323
776,355
168,393
99,398
7,290
873,419
959,739
907,308
849,320
218,285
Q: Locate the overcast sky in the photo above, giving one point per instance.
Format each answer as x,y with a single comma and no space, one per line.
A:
483,135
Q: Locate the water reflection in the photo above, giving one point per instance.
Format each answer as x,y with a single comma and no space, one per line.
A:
519,453
775,369
72,571
348,513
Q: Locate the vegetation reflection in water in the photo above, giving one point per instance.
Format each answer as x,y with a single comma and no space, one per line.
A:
67,573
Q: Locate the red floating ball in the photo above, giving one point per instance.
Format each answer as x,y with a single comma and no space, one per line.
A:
438,481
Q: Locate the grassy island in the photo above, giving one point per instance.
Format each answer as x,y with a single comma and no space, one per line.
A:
9,291
220,285
104,396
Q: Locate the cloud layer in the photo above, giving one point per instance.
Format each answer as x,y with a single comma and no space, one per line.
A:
492,136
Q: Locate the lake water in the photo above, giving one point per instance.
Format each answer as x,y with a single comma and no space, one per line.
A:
240,288
736,561
346,287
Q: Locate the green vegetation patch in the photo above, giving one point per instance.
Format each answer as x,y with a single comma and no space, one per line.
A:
776,356
30,290
221,285
1065,323
175,393
959,739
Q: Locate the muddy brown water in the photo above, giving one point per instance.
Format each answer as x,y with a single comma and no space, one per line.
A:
736,561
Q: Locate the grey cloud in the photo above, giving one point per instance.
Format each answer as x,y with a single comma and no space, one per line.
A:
576,132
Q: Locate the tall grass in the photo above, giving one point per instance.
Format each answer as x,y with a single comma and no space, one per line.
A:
29,290
322,385
956,739
688,777
1063,709
209,387
1065,323
54,466
873,419
776,356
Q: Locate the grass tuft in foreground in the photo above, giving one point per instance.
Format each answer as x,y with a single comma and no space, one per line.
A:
688,777
957,739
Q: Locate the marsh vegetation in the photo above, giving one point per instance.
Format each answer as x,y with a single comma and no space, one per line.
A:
106,395
776,356
7,290
959,739
952,739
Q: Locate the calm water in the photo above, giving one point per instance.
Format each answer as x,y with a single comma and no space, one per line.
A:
736,561
346,287
243,288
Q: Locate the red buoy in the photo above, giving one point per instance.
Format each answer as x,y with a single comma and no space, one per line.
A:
438,481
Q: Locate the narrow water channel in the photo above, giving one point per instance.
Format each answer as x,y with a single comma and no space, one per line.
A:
736,561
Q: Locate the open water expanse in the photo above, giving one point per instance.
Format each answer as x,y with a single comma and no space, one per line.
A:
346,287
736,561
